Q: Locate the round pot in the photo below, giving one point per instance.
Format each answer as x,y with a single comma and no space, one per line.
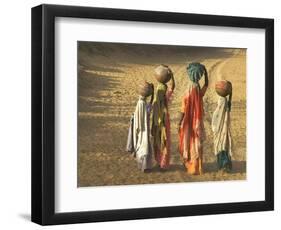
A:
163,74
223,88
145,89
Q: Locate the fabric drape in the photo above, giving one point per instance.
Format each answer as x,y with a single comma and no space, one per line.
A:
192,132
161,125
141,135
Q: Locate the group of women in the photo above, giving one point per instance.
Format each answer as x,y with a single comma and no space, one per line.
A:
150,125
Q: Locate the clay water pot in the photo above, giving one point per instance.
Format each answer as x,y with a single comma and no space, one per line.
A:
223,88
163,74
145,89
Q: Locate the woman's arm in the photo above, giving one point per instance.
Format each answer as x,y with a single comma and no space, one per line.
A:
152,95
206,77
206,83
229,100
173,81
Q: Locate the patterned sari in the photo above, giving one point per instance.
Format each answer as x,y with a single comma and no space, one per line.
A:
161,126
192,132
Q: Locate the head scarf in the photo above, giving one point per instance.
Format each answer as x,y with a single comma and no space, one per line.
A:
195,71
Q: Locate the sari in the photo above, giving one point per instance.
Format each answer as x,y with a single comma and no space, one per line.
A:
192,133
222,135
161,126
141,135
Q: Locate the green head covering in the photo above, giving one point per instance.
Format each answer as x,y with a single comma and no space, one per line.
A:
195,71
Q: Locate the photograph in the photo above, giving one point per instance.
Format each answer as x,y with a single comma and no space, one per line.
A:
157,113
143,114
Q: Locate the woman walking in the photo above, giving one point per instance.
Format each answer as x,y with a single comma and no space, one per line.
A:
221,126
141,128
191,126
160,116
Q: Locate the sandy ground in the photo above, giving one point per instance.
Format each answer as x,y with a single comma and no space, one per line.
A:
108,78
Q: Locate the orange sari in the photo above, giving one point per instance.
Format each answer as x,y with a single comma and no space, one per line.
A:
192,133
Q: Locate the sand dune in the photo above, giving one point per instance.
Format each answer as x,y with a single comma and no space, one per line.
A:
109,75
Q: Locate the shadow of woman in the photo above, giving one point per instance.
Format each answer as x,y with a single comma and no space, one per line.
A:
237,167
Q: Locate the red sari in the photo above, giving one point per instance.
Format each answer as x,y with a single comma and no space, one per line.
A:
192,133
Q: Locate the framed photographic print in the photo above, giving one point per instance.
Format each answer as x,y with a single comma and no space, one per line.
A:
142,114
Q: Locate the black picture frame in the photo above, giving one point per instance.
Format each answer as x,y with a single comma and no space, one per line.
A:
43,110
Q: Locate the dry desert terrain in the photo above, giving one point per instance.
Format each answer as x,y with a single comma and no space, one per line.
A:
108,77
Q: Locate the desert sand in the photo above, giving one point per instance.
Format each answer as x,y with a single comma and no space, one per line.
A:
108,77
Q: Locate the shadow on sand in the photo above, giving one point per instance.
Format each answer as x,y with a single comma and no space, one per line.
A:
144,54
210,167
172,168
237,167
